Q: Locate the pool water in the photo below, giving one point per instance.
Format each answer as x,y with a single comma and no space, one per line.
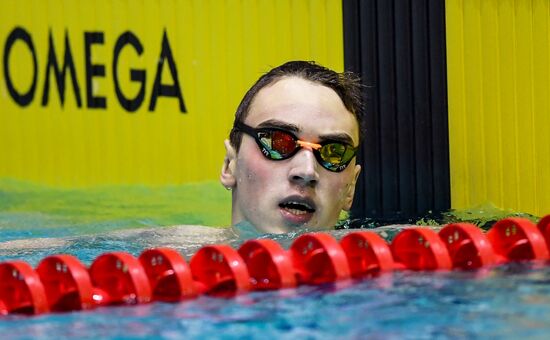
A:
507,301
504,302
43,211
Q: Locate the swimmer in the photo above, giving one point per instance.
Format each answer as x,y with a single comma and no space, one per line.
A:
290,159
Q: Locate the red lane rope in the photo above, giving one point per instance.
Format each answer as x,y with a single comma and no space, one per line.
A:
62,283
468,246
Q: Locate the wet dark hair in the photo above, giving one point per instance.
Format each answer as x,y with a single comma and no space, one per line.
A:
347,85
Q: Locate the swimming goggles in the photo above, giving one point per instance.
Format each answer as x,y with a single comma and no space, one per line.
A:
278,144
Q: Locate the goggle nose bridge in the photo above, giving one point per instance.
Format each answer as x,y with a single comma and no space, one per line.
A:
309,145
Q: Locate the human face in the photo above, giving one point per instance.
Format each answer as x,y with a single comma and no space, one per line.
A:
279,196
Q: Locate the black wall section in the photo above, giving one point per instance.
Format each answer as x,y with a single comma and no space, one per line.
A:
398,47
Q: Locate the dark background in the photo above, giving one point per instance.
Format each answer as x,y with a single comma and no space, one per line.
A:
398,48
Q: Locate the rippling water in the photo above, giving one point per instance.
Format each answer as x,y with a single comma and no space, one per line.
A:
505,302
502,302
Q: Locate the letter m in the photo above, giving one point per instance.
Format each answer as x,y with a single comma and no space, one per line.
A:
68,63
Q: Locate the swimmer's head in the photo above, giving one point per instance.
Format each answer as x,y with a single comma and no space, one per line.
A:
290,159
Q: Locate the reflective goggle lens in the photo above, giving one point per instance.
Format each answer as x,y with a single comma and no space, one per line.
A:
334,155
279,144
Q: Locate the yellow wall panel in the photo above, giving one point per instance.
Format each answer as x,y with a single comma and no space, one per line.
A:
219,49
498,85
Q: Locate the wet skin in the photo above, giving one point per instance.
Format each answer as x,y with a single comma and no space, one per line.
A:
280,196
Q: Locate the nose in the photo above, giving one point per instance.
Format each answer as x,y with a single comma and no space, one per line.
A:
303,171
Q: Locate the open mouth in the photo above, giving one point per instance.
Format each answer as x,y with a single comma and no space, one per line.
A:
298,205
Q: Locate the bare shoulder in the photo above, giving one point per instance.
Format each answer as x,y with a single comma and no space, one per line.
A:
180,236
34,243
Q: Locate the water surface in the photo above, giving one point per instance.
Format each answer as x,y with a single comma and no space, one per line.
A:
507,302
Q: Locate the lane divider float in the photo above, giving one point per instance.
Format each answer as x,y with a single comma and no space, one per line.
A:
62,283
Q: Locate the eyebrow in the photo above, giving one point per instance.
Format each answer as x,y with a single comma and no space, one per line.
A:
338,137
333,137
274,123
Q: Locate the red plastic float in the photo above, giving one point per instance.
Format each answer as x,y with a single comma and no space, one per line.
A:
468,246
269,265
3,308
67,283
169,275
367,253
544,227
518,239
318,258
219,270
21,290
119,278
420,249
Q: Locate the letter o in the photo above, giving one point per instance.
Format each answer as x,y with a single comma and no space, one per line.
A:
20,33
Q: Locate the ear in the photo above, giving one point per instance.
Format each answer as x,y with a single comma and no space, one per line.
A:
348,199
227,176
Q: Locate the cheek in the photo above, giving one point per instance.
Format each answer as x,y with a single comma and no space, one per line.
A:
254,172
338,186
